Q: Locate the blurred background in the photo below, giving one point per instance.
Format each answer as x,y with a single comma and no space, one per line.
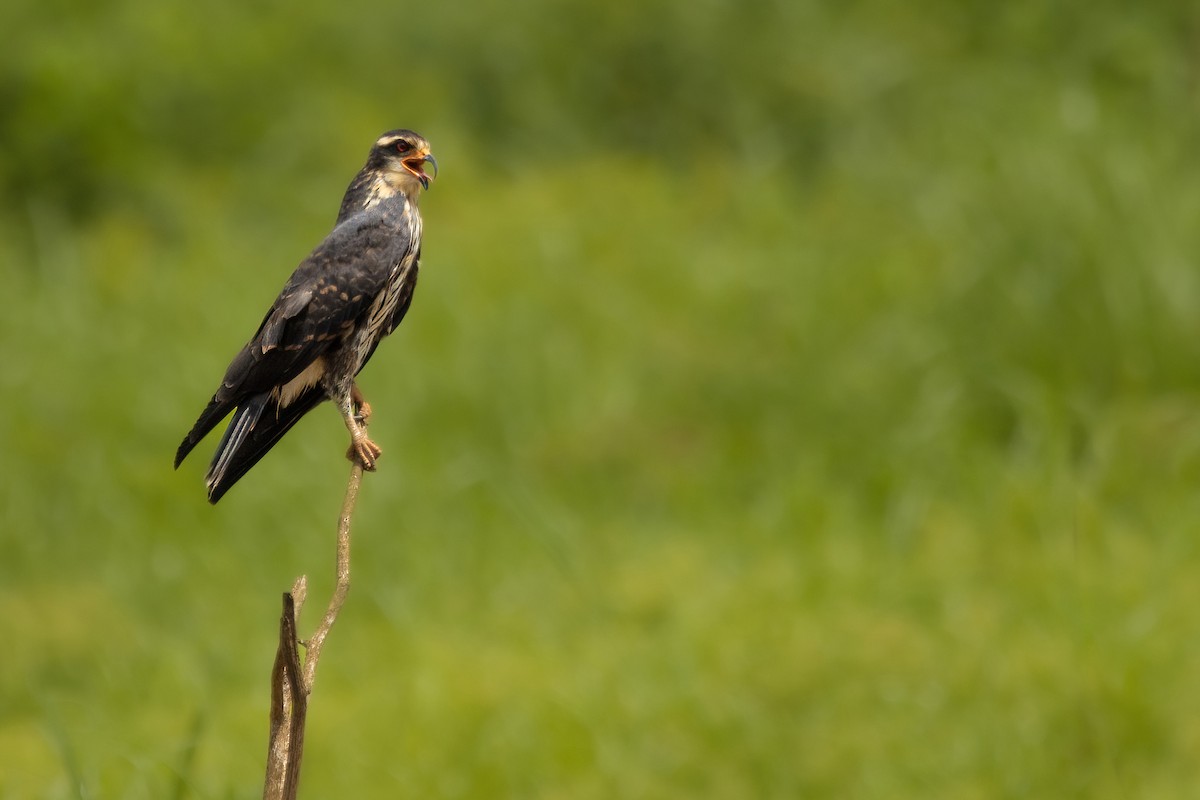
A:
800,400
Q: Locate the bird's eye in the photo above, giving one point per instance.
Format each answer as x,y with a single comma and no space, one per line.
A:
403,146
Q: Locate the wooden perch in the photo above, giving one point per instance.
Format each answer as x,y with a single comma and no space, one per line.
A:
291,682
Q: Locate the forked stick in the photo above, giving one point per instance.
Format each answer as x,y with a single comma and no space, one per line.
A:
291,683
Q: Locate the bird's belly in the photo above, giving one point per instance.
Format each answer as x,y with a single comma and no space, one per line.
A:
380,313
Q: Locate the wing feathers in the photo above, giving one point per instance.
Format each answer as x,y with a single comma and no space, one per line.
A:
241,426
212,414
286,307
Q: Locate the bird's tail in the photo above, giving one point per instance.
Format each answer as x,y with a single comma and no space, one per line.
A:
240,427
256,426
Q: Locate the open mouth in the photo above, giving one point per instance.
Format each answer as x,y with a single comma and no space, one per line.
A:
417,167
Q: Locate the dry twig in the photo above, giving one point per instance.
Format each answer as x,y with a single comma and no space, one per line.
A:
292,683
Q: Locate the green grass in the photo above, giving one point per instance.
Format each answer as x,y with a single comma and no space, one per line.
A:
847,450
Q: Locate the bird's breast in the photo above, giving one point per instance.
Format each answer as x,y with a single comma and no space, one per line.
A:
381,311
375,323
384,305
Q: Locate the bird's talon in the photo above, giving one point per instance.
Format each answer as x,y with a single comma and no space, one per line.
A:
365,453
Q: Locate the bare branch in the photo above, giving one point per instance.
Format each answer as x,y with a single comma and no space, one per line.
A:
289,708
291,684
341,587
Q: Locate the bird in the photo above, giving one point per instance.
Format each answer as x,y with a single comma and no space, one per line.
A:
351,291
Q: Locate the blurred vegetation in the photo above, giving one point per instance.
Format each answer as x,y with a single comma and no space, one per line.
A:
801,400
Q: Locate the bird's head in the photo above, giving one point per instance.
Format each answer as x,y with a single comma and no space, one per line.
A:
399,157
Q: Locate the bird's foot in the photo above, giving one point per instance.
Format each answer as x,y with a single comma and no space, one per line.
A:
364,452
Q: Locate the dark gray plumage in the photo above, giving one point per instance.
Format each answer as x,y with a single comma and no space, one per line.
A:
353,290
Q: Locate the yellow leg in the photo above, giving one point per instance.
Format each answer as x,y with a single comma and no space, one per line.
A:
360,403
363,451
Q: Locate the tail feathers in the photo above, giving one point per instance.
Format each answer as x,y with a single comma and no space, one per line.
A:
257,425
239,428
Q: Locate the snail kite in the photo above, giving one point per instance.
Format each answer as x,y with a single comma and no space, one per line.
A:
339,303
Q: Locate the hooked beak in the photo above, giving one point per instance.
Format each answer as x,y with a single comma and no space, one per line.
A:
415,166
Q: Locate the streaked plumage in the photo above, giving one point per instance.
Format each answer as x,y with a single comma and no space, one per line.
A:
353,290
